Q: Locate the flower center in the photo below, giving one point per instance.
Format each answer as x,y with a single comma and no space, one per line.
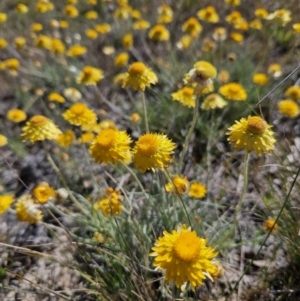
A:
88,71
78,108
188,91
106,138
148,145
187,246
256,125
38,120
137,68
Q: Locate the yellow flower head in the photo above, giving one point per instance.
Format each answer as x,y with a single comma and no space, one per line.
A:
179,185
223,77
289,108
139,76
260,79
16,115
197,190
66,139
237,37
159,33
261,13
5,202
21,8
121,59
27,210
39,128
233,2
12,64
63,24
269,224
57,46
275,70
208,14
91,15
111,204
86,138
19,42
141,25
43,192
103,28
202,75
296,28
293,92
79,114
35,27
91,33
280,16
90,76
44,6
3,17
110,146
44,42
184,256
192,27
122,12
233,91
165,14
56,97
234,17
185,96
3,43
72,94
71,11
213,101
135,118
252,134
152,151
76,50
3,140
256,24
219,34
127,40
185,42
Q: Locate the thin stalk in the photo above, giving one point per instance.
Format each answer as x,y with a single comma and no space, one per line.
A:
145,112
189,134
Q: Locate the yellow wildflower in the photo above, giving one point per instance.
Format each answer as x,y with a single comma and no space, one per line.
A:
208,14
197,190
233,91
43,192
5,202
159,33
192,27
16,115
260,79
27,210
213,101
90,76
185,96
179,185
66,138
289,108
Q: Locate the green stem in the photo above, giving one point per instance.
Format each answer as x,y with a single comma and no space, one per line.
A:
145,112
189,134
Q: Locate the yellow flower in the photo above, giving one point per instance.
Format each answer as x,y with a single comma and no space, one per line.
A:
66,139
3,17
233,91
71,1
260,79
106,124
91,15
3,140
121,59
185,42
269,224
159,33
139,76
202,75
152,151
111,204
71,11
72,94
119,79
178,185
3,43
91,33
296,28
86,138
21,8
43,41
192,27
90,76
12,65
165,14
141,25
197,190
233,2
122,12
127,40
35,27
208,14
289,108
43,192
103,28
56,97
63,24
261,13
184,256
19,42
275,70
234,17
44,6
256,24
39,128
57,46
185,96
135,118
5,202
110,146
79,114
293,92
27,210
213,101
223,77
219,34
237,37
252,134
280,16
16,115
76,50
